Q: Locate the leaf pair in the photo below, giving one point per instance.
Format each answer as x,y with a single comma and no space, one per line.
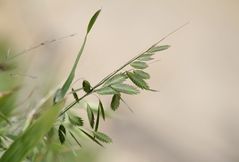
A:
91,117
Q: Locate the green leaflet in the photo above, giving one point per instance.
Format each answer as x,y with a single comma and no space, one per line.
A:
145,57
125,88
86,86
137,80
159,48
141,74
62,133
76,120
115,102
60,93
118,78
97,119
20,148
90,115
102,110
74,94
106,91
102,137
139,65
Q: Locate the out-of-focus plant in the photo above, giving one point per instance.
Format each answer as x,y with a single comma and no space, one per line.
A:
43,135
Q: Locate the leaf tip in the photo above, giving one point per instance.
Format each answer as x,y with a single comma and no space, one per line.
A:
92,20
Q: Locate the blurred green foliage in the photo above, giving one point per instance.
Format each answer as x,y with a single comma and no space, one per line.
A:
51,131
8,85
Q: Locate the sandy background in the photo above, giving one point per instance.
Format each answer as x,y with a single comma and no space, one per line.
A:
194,118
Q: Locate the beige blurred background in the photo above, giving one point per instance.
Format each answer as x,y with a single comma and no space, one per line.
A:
194,117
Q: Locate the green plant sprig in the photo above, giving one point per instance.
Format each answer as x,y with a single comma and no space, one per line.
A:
103,81
117,71
114,83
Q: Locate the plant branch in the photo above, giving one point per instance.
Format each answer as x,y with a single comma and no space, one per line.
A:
117,70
